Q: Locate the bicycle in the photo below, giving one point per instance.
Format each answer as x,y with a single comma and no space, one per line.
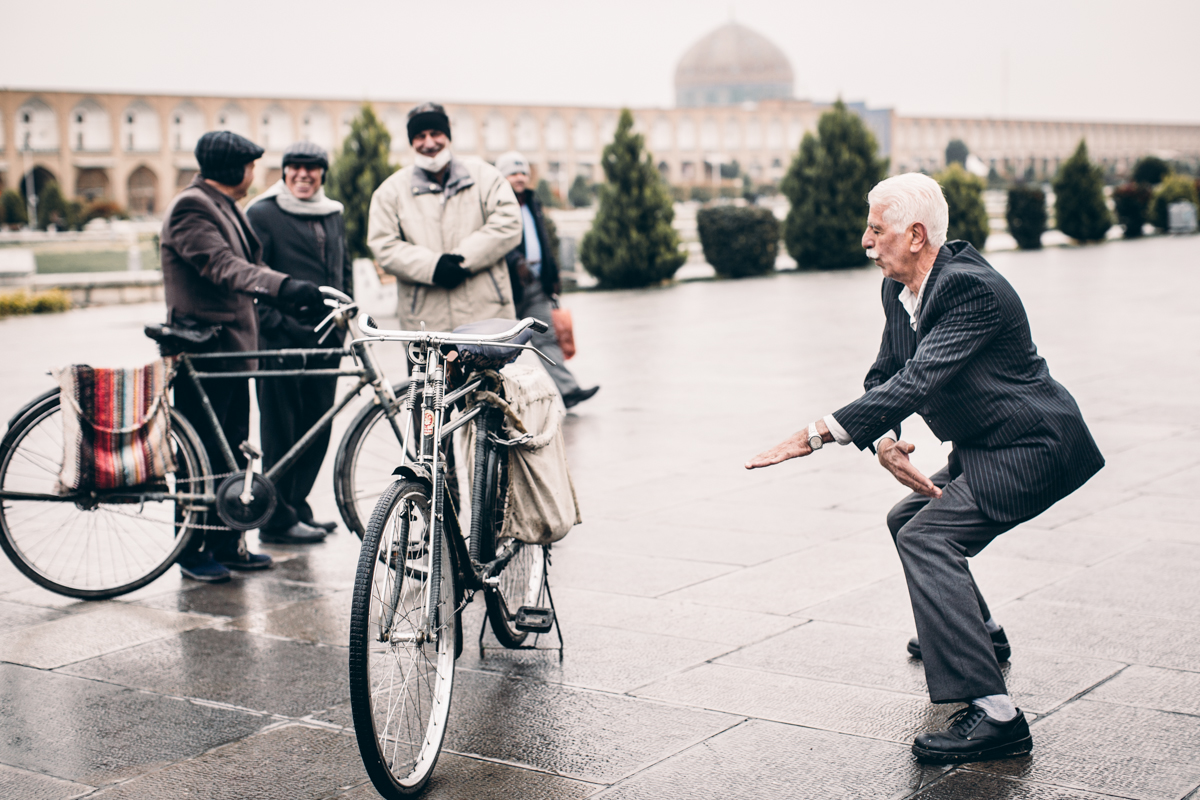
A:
417,571
98,544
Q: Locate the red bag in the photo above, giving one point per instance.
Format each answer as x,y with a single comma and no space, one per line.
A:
564,330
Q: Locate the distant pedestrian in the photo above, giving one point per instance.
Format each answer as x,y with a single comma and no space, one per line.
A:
533,270
303,235
443,226
212,272
957,350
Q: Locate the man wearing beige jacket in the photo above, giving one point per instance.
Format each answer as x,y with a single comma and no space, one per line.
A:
443,227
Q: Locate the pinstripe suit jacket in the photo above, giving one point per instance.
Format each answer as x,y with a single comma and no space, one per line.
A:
971,370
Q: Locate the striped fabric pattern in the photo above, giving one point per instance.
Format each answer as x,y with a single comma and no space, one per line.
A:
116,426
972,372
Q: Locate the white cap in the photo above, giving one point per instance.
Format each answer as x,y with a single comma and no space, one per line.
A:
511,163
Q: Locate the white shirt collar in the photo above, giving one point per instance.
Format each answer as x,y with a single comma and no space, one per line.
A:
911,302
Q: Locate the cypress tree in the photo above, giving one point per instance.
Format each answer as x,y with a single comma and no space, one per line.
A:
1026,215
964,196
356,174
631,242
827,184
14,208
957,152
1079,206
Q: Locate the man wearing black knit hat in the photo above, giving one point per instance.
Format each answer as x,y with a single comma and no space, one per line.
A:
304,235
212,272
443,226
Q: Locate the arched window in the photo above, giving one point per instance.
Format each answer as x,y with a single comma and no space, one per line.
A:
775,140
397,124
37,127
708,135
187,126
317,127
583,134
90,128
143,191
662,135
495,133
464,135
733,134
608,129
276,130
526,131
556,134
139,129
233,119
686,134
754,139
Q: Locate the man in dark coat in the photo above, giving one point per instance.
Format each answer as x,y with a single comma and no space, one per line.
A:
957,350
533,272
303,235
212,271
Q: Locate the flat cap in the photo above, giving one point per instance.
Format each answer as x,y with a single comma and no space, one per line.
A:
223,156
306,153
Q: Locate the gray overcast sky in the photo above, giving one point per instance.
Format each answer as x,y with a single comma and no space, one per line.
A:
1067,59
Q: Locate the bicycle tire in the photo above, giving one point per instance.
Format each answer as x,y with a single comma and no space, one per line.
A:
400,724
523,579
42,538
363,467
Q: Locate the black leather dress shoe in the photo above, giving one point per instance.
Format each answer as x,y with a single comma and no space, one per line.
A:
329,526
999,641
974,736
299,533
578,396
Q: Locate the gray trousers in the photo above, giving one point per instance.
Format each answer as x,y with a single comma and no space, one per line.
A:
536,304
934,539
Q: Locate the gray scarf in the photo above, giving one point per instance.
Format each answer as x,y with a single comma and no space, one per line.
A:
316,206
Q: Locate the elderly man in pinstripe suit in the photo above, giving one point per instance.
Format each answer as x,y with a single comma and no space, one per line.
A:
957,350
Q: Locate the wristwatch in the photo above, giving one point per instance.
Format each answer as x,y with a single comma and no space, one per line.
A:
815,442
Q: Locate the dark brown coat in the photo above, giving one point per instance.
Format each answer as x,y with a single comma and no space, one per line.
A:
212,266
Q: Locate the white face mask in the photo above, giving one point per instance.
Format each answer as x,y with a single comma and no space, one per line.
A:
433,164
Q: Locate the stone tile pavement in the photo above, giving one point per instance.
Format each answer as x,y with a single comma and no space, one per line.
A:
728,634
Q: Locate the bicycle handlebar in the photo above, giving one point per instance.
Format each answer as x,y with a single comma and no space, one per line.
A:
367,326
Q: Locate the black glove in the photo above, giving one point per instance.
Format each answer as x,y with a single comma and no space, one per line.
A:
449,271
304,297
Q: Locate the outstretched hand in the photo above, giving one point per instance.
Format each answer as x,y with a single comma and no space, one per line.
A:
794,446
894,458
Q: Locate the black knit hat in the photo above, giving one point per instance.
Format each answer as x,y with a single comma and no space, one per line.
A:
428,117
223,156
308,154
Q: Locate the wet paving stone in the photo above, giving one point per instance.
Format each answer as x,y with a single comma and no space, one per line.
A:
1105,635
292,762
1151,687
775,519
110,627
1068,544
325,620
967,785
233,667
19,783
244,594
331,563
456,777
883,604
630,573
840,707
585,735
770,760
19,615
1111,749
95,733
1158,579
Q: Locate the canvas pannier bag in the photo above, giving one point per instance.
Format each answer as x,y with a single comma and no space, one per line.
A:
541,506
116,426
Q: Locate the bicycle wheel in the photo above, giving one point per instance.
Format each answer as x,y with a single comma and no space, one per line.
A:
401,671
106,544
523,580
366,457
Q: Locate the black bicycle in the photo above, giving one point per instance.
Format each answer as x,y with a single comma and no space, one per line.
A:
418,568
96,544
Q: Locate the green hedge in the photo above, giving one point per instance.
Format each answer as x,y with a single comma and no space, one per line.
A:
1132,203
1173,189
739,241
964,196
1026,215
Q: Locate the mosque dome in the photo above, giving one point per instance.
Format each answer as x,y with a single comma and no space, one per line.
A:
732,65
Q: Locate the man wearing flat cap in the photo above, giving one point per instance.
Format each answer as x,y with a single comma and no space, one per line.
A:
443,227
303,235
212,272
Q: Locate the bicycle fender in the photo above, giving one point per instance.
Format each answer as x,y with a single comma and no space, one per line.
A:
25,409
414,472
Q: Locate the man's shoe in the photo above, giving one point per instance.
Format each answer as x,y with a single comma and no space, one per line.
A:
329,526
300,533
242,559
974,736
578,396
204,568
999,642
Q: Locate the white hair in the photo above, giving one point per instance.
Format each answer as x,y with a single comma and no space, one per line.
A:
913,197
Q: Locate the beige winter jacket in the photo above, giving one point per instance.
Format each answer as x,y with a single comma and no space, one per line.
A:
414,220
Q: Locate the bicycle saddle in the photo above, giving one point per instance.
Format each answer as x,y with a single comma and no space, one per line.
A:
490,356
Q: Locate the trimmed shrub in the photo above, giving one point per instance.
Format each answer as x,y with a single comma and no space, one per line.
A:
546,194
957,152
1079,207
52,207
1132,203
1026,215
827,184
103,209
580,193
22,302
631,242
739,241
357,172
1150,170
14,208
1173,189
701,194
964,196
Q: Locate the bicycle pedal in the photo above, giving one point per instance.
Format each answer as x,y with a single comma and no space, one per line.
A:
534,620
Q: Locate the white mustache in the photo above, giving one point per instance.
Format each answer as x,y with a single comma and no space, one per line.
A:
872,254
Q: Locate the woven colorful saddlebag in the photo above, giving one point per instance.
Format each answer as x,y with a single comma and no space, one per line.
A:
116,426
